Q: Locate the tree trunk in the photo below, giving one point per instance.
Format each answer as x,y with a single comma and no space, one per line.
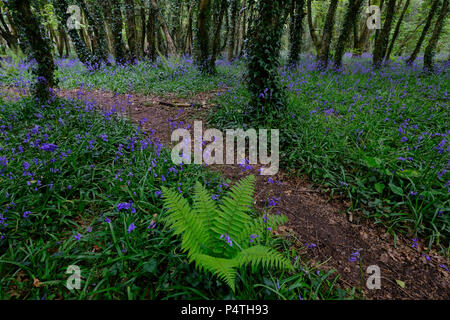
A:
188,40
326,36
431,47
170,44
312,31
143,32
130,16
97,30
416,51
113,14
243,28
79,44
296,31
151,34
216,42
349,22
63,36
396,31
58,42
383,37
268,99
232,29
7,34
203,36
40,47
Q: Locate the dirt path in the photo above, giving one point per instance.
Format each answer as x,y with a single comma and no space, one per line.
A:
317,223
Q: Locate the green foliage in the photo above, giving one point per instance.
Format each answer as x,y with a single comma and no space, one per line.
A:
268,100
221,238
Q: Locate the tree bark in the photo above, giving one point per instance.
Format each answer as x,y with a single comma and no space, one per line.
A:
349,22
79,44
96,29
431,47
296,30
416,51
151,34
382,40
170,44
7,34
216,42
203,36
113,14
312,31
40,48
268,99
396,31
327,35
232,29
130,15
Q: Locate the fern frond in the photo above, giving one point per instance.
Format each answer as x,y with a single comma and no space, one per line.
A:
207,211
234,219
183,221
205,231
262,256
224,269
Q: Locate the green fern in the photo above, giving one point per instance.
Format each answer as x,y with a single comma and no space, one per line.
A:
222,238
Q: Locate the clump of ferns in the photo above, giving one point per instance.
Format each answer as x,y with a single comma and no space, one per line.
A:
222,237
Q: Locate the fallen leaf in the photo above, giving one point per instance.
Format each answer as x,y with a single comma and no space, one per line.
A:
400,283
36,283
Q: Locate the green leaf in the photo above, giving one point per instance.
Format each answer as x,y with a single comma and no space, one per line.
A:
151,266
400,283
379,187
395,189
372,162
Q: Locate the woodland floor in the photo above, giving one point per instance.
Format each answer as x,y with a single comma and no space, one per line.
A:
313,217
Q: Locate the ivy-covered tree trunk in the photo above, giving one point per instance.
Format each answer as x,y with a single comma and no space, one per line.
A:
381,42
431,47
203,48
113,15
97,29
268,99
81,48
396,31
349,22
100,30
40,47
296,30
324,52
